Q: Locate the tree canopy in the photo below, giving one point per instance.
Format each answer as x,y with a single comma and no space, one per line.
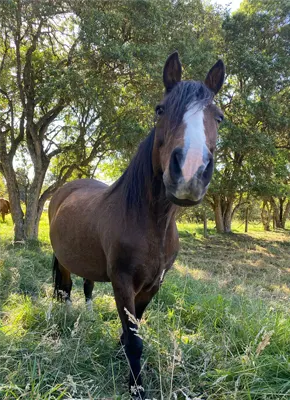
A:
79,81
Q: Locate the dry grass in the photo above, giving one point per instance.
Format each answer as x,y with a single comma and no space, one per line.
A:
255,264
218,329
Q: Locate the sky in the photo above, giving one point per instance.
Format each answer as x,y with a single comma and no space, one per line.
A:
234,4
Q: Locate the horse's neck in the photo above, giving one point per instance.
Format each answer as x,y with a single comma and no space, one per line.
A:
161,210
162,216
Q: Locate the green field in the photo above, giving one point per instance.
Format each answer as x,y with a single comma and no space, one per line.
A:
218,329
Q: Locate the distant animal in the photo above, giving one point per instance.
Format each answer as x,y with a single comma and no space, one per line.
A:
4,208
126,233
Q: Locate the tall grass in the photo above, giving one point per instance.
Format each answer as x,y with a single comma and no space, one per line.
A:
219,328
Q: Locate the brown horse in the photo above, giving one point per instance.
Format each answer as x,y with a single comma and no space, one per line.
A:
126,233
4,208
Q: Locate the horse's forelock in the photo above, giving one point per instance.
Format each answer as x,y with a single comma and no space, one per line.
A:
185,95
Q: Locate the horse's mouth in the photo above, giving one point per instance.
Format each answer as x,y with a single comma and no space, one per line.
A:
182,202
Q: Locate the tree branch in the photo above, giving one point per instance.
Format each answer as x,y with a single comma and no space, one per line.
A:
48,118
4,52
11,110
17,40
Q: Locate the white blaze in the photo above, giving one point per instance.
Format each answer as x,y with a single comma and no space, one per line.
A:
194,142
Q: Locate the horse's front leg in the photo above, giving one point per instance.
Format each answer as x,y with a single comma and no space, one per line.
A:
142,300
125,301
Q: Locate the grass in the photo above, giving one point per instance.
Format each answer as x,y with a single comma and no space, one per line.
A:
219,328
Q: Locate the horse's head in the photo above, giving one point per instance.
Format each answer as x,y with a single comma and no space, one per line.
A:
186,132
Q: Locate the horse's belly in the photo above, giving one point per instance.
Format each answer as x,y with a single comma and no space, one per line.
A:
79,252
94,270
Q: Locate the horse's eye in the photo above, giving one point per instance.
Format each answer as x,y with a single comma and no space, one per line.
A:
219,118
159,110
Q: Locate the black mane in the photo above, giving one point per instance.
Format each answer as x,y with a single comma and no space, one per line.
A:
137,179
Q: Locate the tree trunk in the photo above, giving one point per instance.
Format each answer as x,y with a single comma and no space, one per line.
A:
247,220
14,198
223,211
33,208
228,213
286,214
204,224
217,208
281,204
277,213
280,214
266,215
25,226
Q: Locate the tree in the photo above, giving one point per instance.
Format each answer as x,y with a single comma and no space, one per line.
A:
254,99
80,79
44,90
35,74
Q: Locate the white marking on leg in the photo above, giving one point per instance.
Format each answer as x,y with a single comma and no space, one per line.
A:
194,142
68,304
89,305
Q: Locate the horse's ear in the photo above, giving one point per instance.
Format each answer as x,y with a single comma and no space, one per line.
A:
172,71
215,78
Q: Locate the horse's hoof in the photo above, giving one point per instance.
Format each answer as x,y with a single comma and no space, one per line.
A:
138,396
137,393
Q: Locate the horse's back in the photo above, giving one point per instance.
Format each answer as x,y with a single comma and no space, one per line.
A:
78,188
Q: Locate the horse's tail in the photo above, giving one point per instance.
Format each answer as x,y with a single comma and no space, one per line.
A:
56,276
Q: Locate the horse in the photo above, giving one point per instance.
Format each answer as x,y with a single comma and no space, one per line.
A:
4,208
126,233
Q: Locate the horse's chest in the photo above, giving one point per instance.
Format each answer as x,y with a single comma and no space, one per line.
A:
160,255
144,255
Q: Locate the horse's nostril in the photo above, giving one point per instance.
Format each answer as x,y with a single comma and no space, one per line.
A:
207,173
175,164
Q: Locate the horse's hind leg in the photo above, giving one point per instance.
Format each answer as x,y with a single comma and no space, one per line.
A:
62,282
125,296
3,216
88,291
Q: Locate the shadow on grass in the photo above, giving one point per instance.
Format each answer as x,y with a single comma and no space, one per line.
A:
23,269
240,262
